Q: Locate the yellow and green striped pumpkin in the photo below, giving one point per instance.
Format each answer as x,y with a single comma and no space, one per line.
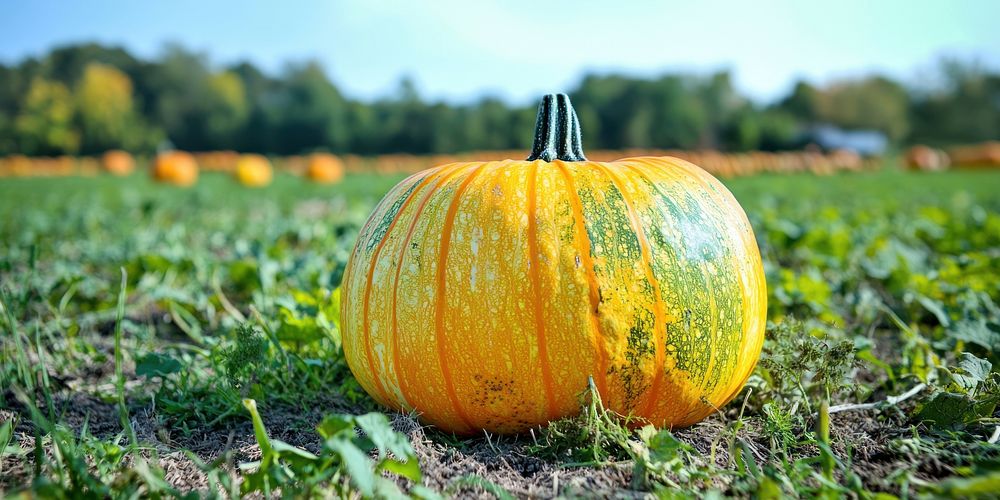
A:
483,295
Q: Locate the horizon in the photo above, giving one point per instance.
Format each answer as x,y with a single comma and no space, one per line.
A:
456,62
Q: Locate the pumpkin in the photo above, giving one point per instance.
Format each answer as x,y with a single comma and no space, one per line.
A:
484,295
921,157
175,167
324,168
253,170
983,155
117,162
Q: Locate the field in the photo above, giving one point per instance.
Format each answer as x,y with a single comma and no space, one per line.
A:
160,340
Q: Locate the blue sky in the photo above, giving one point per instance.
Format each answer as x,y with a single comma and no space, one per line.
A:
460,49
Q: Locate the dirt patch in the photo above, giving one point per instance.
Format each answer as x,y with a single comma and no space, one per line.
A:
465,467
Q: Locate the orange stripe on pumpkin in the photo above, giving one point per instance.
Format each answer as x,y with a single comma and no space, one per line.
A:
441,277
402,371
705,180
582,241
659,328
713,311
366,341
534,261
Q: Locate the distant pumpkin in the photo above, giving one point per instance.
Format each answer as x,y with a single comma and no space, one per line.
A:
985,155
325,168
118,162
175,167
483,295
253,170
922,157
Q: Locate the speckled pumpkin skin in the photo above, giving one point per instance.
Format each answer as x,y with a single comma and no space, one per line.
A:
483,295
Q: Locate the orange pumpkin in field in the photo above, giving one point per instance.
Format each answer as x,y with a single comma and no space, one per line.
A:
118,162
325,168
253,170
922,157
175,167
485,295
983,155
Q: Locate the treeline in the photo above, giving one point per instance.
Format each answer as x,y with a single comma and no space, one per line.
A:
88,98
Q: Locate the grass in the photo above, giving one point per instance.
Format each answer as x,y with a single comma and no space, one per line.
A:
166,342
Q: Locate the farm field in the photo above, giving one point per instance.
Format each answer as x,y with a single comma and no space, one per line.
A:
167,341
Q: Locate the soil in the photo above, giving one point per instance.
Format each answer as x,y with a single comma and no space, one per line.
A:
502,460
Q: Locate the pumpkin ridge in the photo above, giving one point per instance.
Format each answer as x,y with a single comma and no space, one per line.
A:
366,340
659,327
536,299
727,197
441,279
582,242
729,200
349,270
713,329
729,353
381,228
402,372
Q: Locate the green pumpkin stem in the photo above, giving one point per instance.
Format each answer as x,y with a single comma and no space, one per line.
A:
557,131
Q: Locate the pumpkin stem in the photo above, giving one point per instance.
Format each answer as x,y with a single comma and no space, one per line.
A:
557,131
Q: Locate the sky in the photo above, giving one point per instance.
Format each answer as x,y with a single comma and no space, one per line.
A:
459,50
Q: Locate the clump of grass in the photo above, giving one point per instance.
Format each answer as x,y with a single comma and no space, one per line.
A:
779,427
799,368
344,466
244,359
593,437
599,436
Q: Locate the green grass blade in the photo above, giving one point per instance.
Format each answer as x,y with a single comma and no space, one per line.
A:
119,361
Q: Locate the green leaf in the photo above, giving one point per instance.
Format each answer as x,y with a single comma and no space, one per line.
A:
332,308
376,426
663,446
333,425
155,364
409,469
986,485
359,467
973,371
936,308
294,455
6,436
950,409
259,431
977,332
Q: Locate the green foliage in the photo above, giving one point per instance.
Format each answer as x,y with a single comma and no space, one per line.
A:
968,392
598,436
83,466
44,125
780,425
243,360
879,282
123,102
343,465
595,436
106,112
799,368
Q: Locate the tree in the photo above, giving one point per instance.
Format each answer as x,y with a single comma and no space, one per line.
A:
228,111
45,124
106,110
309,112
964,109
872,103
118,100
803,103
